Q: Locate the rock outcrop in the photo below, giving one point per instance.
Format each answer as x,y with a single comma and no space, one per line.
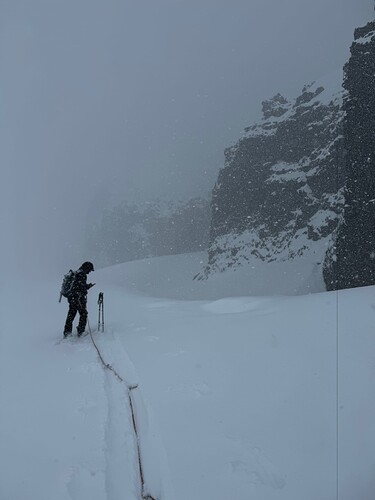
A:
280,192
351,261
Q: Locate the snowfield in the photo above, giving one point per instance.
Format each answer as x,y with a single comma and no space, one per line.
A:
239,395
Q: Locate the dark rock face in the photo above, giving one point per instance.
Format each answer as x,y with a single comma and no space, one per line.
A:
281,186
351,262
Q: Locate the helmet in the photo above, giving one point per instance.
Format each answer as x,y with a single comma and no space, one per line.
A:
87,267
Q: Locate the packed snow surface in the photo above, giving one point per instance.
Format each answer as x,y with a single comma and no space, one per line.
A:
239,396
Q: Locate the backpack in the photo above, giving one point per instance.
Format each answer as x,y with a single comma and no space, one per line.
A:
67,284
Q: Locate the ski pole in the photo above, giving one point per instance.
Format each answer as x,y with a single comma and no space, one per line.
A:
101,312
102,308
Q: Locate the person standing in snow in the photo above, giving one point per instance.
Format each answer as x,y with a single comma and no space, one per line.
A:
78,299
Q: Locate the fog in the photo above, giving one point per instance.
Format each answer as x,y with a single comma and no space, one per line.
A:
102,100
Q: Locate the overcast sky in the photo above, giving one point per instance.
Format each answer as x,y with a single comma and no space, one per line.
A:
138,99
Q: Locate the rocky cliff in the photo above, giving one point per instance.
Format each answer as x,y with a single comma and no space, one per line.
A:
351,261
280,192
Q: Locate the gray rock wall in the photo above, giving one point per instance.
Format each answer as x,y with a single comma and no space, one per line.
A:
282,182
351,261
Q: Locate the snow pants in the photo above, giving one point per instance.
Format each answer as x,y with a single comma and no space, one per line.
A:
76,304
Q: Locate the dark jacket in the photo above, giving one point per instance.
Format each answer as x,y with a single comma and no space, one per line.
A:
80,286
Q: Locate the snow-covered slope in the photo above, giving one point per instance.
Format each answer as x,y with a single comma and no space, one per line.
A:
238,396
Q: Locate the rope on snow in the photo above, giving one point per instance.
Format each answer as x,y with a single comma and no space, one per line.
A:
130,388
